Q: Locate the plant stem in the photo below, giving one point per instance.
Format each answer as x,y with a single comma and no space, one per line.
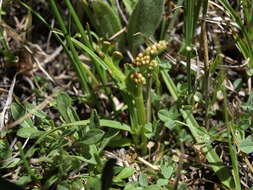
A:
206,61
231,145
141,113
148,103
78,24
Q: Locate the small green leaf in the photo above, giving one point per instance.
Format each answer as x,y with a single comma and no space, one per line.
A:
143,181
11,163
63,103
125,173
62,187
170,124
93,183
77,184
23,180
153,187
246,145
92,136
162,182
29,132
133,185
17,112
38,113
166,171
148,130
168,115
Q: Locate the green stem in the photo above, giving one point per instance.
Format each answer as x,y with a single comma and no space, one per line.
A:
149,84
78,24
140,107
189,79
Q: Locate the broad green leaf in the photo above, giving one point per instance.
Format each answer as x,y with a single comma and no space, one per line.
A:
170,124
168,115
162,182
77,184
246,145
166,171
92,136
38,113
63,102
17,112
64,106
29,132
125,173
143,181
145,19
103,18
23,180
148,130
11,163
93,183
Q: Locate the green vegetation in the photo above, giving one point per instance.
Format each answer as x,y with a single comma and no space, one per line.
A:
147,94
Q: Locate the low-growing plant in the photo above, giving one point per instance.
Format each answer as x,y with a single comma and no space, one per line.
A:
127,61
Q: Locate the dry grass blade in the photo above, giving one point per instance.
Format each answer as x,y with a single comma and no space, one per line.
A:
7,104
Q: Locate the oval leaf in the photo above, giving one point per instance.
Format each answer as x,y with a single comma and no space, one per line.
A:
246,145
125,173
29,132
145,19
103,18
92,136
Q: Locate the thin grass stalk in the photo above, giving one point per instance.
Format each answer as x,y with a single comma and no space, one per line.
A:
76,61
148,102
175,16
86,40
245,44
78,24
232,146
2,38
189,28
205,60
